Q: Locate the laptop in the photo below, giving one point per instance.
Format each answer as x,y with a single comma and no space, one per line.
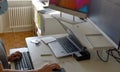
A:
66,45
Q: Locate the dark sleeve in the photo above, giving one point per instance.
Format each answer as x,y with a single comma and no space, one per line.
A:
3,56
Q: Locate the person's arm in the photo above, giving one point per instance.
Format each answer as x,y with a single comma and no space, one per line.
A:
49,67
45,68
10,70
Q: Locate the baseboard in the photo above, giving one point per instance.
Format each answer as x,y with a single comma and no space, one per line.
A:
19,29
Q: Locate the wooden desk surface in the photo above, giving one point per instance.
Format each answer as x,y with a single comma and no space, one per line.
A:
69,63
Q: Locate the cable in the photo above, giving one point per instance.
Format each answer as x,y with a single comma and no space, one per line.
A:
111,52
104,60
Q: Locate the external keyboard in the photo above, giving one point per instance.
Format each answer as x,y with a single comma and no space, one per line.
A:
24,63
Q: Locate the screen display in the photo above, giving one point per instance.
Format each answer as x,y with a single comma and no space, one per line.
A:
77,5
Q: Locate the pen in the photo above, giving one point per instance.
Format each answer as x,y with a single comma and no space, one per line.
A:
46,54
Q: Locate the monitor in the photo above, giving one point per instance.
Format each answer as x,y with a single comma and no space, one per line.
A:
74,7
105,15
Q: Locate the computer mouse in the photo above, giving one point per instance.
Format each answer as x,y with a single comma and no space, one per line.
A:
59,70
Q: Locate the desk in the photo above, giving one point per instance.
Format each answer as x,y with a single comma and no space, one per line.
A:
69,63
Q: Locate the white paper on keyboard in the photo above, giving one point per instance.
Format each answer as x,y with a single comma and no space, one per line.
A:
49,39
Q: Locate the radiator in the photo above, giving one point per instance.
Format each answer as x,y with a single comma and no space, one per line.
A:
20,17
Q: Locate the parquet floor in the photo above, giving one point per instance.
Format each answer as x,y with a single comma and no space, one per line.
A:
15,39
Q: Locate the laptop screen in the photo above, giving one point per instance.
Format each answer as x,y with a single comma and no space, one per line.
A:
71,35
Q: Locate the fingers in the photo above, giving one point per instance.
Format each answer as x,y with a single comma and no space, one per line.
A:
54,66
18,53
15,56
49,67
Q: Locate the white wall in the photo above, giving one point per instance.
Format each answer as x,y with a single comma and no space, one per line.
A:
1,24
4,19
19,3
4,22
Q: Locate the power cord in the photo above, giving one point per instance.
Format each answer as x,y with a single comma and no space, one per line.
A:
111,52
102,59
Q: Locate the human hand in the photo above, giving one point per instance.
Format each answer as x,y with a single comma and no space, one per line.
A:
49,67
15,56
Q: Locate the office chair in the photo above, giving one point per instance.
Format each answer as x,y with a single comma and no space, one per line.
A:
3,56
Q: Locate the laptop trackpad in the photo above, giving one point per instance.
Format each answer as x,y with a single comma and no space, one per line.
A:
57,49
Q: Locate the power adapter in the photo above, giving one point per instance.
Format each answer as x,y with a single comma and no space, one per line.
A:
83,55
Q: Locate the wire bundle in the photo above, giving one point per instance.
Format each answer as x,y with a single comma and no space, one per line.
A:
115,53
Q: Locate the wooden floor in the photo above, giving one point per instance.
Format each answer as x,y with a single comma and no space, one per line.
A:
15,39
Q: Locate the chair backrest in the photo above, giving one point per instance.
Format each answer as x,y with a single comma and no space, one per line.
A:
1,67
1,42
3,56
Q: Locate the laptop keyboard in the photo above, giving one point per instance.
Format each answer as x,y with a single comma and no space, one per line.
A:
67,45
24,63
